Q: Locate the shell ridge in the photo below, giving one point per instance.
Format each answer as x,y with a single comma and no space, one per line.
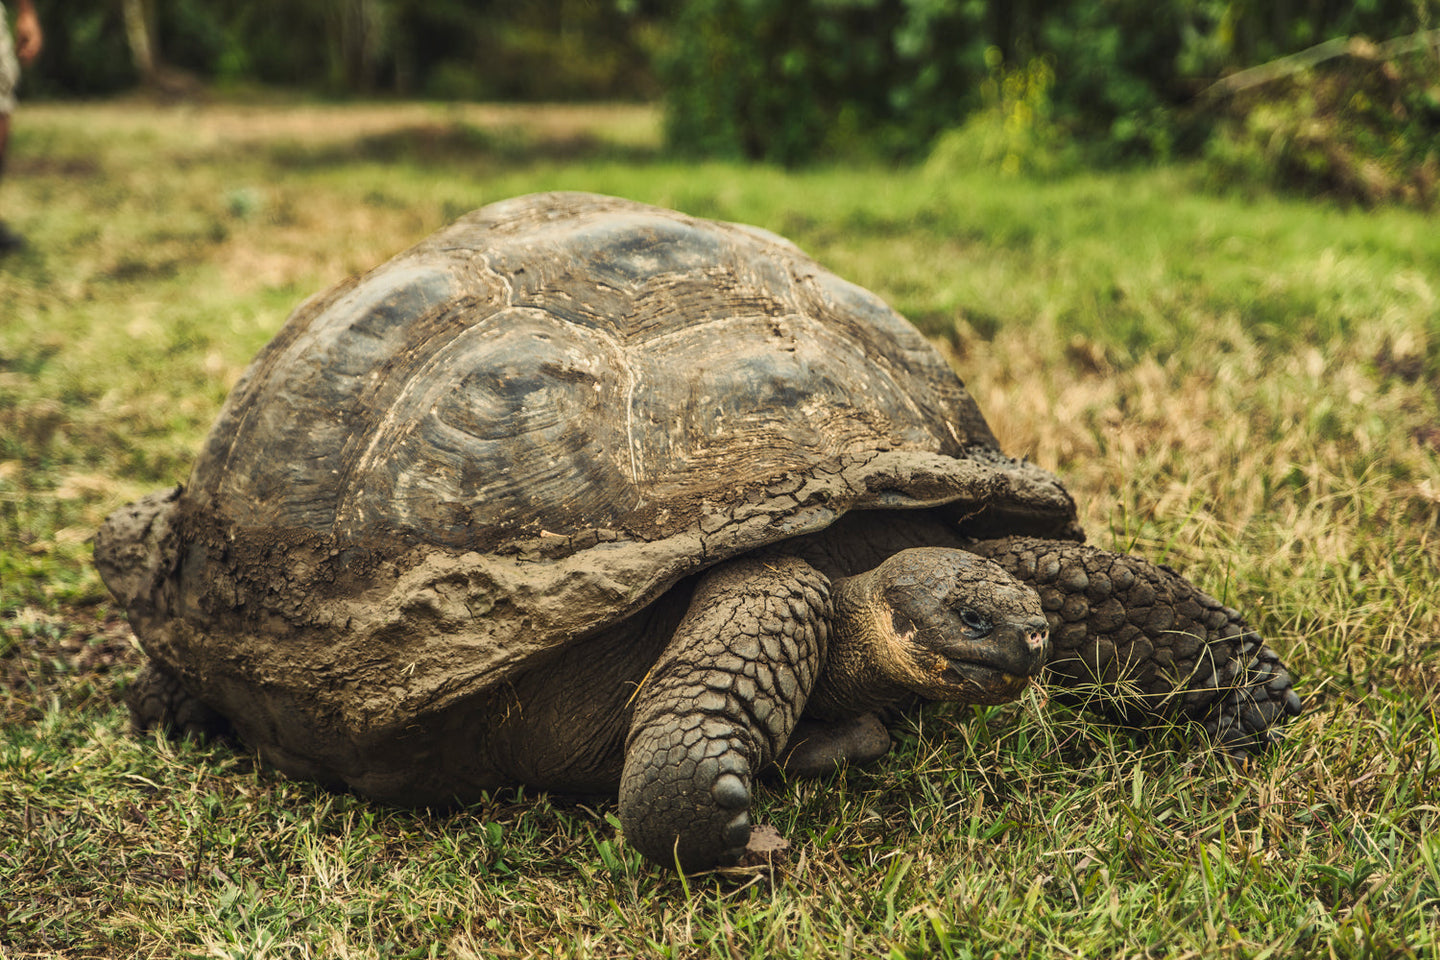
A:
632,381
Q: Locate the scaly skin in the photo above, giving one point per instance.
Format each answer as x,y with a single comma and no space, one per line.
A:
935,622
1159,646
720,704
760,640
156,699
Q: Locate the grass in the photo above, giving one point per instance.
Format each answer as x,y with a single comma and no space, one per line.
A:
1248,390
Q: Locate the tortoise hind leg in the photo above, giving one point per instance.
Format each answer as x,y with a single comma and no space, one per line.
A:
1158,645
158,700
718,706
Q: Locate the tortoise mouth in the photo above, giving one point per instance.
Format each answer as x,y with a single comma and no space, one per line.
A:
979,682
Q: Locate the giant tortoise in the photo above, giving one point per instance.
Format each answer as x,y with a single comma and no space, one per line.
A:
588,495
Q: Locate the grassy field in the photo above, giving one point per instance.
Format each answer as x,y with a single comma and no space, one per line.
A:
1245,388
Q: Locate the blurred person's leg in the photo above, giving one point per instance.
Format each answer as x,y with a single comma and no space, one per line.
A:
9,77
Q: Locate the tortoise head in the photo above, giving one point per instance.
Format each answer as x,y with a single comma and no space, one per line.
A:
134,547
949,625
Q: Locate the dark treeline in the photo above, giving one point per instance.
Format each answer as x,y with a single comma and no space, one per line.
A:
781,80
448,49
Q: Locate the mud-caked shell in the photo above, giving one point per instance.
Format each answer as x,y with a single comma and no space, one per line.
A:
524,429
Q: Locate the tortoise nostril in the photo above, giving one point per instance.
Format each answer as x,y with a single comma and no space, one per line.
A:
1037,638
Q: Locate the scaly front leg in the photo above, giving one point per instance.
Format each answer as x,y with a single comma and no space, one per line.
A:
720,704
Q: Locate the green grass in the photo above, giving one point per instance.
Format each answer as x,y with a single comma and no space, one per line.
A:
1248,390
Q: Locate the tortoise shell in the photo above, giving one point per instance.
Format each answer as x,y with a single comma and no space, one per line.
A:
526,428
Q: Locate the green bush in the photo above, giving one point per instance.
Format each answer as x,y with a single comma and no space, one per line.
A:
792,80
795,80
1120,71
1016,130
1363,127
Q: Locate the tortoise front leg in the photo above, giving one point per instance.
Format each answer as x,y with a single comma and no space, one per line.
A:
156,698
720,704
1160,645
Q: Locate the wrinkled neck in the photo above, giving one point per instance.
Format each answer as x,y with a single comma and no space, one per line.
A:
854,679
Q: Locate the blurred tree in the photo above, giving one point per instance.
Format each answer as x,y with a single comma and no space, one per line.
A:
513,49
358,30
140,32
85,49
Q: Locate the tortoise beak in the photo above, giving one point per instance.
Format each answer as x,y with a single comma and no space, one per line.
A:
997,667
1019,648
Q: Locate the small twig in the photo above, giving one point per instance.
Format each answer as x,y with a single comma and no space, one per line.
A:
1295,63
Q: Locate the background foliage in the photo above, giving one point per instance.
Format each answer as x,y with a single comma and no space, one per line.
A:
1364,126
787,81
471,49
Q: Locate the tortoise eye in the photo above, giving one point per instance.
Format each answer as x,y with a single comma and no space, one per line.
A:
973,620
